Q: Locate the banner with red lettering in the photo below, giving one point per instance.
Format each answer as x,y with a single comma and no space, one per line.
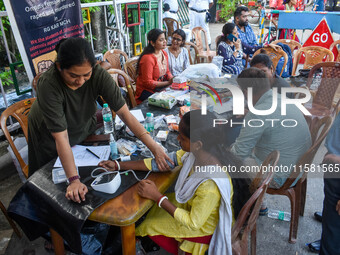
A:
41,25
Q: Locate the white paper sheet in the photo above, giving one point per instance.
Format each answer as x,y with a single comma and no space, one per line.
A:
82,157
137,113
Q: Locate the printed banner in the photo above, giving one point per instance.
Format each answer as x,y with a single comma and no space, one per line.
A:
42,24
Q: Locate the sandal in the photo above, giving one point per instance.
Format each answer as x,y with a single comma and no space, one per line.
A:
314,246
263,211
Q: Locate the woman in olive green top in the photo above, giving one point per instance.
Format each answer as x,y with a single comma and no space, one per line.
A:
64,113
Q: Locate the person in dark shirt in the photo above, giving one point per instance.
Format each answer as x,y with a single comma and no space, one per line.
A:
263,62
64,113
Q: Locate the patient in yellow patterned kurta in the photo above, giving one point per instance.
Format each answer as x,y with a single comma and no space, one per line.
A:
199,215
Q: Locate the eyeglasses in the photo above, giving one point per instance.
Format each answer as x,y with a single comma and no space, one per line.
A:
176,39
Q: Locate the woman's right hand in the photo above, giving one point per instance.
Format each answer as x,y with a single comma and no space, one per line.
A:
171,80
237,44
108,165
76,191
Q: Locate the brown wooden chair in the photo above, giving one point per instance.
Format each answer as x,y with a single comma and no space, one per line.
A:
193,56
10,221
19,111
116,58
170,24
323,100
130,91
206,54
297,193
130,67
293,45
313,55
334,44
275,56
246,220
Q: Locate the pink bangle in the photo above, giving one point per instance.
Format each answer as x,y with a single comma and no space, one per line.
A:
73,178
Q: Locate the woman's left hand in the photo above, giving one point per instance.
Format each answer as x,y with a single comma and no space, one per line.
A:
148,189
108,165
161,157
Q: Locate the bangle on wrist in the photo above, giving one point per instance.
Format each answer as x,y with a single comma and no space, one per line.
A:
117,165
161,200
144,133
157,202
73,178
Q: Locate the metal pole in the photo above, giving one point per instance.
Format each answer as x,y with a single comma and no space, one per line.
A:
5,100
160,14
91,36
106,24
5,41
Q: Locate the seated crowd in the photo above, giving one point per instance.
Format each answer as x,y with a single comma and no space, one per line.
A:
190,218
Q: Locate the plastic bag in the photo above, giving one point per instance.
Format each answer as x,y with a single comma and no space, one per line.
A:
201,70
126,147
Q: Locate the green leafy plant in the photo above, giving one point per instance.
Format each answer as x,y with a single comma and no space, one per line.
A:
228,7
6,78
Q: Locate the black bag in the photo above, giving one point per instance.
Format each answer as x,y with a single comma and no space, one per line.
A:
207,17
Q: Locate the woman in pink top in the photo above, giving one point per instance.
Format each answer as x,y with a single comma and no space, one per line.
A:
152,67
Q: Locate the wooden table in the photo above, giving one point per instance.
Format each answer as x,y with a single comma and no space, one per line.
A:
124,211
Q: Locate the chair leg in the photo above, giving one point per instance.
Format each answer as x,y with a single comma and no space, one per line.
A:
303,197
253,241
58,243
10,221
294,221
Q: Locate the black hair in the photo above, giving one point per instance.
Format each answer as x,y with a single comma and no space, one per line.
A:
198,127
166,7
239,10
227,29
152,37
262,59
253,78
182,34
74,51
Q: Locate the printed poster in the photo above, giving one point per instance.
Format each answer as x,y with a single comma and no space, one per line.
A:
42,24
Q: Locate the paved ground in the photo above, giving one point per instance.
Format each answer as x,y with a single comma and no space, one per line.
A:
272,235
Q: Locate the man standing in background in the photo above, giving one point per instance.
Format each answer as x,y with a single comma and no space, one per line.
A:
173,4
197,14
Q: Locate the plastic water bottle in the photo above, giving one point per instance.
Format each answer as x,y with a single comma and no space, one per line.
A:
113,148
281,215
107,118
149,123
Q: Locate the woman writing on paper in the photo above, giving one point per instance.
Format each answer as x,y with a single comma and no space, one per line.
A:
199,215
64,113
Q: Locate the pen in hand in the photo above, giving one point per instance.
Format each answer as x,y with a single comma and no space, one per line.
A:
94,154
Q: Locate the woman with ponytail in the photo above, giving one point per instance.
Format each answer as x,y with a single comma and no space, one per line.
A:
64,113
199,215
152,66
